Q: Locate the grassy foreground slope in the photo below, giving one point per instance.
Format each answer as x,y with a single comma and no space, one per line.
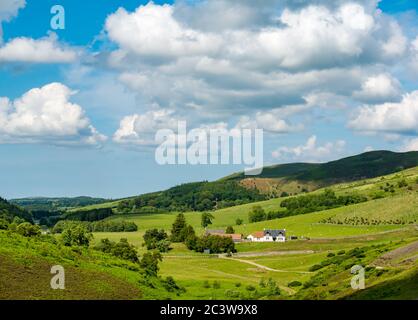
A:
25,265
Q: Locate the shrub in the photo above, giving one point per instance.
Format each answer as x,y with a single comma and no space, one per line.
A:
122,250
257,214
76,235
250,288
4,225
149,263
206,284
238,284
229,230
216,244
156,239
206,219
27,229
232,294
294,284
402,183
170,285
329,255
315,267
216,285
239,221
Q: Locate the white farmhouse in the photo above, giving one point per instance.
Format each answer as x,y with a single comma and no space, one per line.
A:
268,236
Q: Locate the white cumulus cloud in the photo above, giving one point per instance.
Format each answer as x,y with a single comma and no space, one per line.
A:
43,50
45,115
379,88
398,118
310,151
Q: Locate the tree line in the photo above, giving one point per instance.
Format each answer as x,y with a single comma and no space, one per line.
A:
198,196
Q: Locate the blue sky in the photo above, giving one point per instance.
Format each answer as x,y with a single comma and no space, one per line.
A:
79,106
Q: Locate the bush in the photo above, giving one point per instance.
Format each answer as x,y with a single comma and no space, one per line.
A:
239,221
122,250
329,255
4,224
170,285
27,229
216,285
216,244
257,214
76,235
156,239
229,230
206,284
294,284
238,284
232,294
315,267
206,219
250,288
149,263
402,183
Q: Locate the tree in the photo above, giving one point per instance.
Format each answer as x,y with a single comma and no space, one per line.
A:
156,239
4,225
239,221
229,230
27,229
76,235
177,234
149,263
257,214
125,250
206,219
122,250
187,232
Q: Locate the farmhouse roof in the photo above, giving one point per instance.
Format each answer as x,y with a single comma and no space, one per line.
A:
275,233
258,234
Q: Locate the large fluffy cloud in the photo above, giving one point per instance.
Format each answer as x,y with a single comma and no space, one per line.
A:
263,58
45,115
399,118
140,129
44,50
379,88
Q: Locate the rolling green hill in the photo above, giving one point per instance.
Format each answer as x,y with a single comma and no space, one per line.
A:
8,211
54,204
275,181
366,165
295,178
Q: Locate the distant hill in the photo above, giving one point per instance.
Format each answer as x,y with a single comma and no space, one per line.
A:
296,177
275,181
54,204
8,211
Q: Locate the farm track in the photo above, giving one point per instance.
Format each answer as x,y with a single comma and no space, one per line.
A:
263,267
245,254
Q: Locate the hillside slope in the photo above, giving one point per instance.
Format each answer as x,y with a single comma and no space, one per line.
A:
301,177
